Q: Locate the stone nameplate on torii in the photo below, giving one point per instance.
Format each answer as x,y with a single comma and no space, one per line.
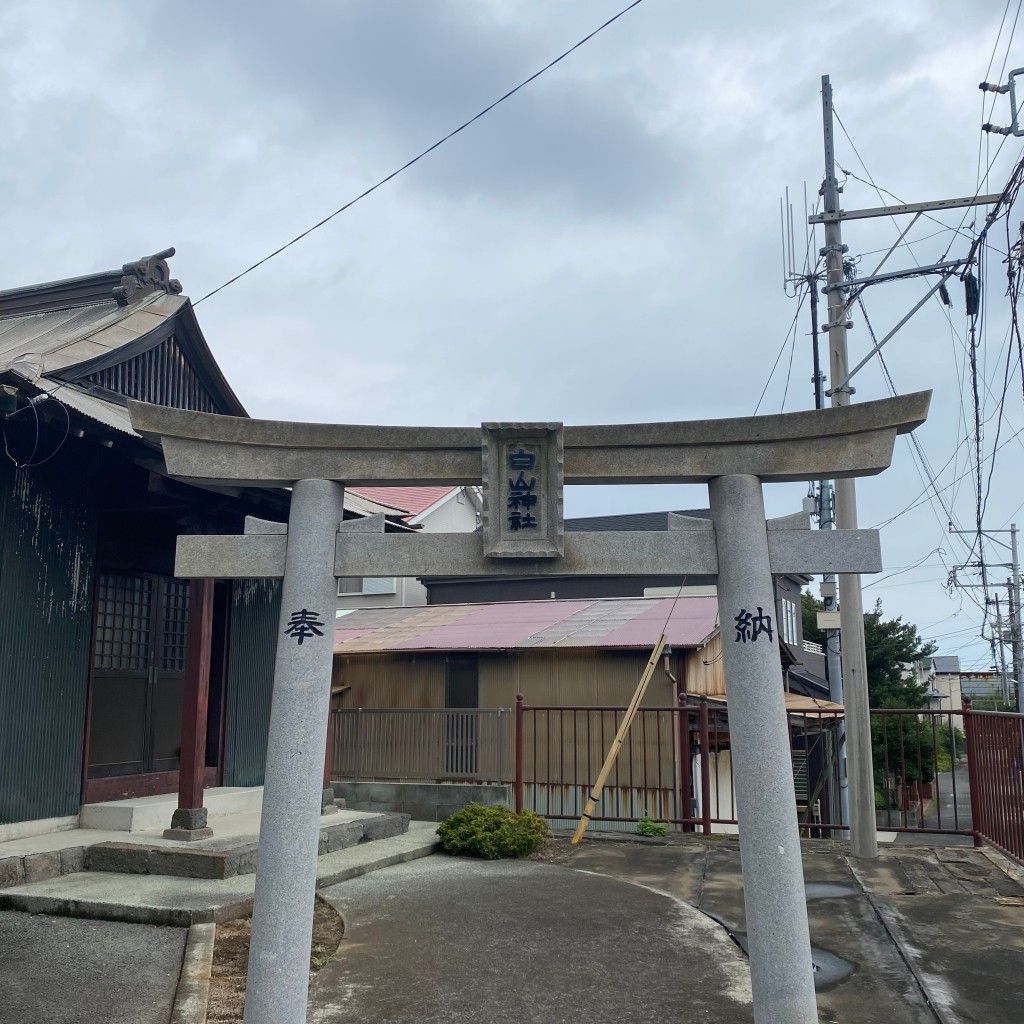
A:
523,535
522,478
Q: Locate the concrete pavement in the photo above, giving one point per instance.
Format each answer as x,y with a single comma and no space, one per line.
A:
61,971
456,940
609,932
951,808
613,930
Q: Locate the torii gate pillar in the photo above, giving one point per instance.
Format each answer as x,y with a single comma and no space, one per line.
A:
781,971
285,893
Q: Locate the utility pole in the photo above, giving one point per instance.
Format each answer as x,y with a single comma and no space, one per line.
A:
827,521
1015,625
1013,604
863,836
1005,688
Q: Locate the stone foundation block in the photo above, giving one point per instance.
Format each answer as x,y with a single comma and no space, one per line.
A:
189,818
188,835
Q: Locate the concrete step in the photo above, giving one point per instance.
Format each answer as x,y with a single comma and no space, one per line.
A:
177,901
149,812
220,858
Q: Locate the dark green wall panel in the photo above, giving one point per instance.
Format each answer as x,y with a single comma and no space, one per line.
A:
255,610
47,545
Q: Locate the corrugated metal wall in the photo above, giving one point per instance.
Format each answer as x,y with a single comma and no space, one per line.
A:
47,545
255,610
391,680
575,676
704,670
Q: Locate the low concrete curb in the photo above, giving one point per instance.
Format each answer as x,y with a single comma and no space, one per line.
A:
193,994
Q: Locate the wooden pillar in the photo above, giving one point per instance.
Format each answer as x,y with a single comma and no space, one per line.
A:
327,800
189,820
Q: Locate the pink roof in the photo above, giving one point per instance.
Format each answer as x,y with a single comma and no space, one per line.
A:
413,500
609,622
496,625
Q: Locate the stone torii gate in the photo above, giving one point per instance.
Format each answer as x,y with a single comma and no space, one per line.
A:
523,467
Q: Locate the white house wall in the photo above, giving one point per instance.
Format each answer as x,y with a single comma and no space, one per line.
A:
457,514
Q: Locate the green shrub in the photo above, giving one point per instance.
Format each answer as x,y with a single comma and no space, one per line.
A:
492,832
646,827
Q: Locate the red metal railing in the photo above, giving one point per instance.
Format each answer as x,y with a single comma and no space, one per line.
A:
920,783
995,758
676,766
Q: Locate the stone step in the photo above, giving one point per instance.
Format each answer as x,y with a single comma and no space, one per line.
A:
180,902
219,859
140,814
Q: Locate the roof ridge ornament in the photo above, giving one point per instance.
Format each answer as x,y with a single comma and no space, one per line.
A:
146,275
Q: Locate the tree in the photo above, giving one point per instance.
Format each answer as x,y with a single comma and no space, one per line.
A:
901,746
890,644
809,608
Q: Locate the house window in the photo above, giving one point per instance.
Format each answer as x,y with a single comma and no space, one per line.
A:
789,622
366,585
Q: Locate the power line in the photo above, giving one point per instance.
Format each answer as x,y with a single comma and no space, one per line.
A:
785,342
426,152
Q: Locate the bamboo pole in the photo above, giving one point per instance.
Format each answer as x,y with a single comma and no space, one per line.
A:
613,751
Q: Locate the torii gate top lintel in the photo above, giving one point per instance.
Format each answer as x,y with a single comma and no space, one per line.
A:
855,440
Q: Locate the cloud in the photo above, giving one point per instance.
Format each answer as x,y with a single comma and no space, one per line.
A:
602,247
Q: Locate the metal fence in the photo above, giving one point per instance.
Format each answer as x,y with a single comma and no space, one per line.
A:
995,756
956,773
676,766
421,744
920,783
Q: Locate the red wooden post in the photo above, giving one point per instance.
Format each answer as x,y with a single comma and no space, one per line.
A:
191,816
705,767
518,784
973,772
330,748
685,762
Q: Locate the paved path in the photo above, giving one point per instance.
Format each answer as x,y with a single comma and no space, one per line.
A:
59,970
950,809
454,940
610,933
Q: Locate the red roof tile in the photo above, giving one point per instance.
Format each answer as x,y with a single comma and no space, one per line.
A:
413,500
609,622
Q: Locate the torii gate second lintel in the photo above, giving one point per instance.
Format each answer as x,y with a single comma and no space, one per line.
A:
734,457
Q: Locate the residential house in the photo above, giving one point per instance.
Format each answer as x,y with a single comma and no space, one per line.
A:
573,657
803,663
940,678
430,509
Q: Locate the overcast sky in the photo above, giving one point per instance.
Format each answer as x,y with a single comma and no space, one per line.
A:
603,247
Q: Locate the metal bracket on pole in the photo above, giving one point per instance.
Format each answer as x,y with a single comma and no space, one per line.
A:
1011,88
834,216
895,275
860,366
